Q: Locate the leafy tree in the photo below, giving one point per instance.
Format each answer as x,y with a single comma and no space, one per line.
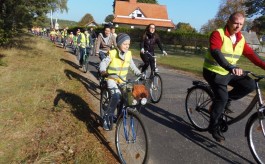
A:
109,18
18,14
257,8
86,19
185,27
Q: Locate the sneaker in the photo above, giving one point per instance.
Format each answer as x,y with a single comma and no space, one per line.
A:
106,124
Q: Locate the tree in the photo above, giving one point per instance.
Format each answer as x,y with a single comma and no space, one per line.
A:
18,14
109,18
185,27
86,19
257,8
208,27
226,8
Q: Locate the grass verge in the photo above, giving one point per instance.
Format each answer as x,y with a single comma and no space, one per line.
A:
45,115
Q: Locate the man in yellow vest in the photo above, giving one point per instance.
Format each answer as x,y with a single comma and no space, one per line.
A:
118,61
83,41
219,70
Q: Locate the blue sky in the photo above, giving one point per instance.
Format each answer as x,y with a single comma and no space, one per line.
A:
194,12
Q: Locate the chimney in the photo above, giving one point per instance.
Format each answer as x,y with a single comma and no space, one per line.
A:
132,1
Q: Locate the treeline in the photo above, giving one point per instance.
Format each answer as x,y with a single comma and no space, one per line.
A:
182,39
16,15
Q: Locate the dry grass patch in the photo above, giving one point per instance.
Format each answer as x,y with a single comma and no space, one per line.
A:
44,117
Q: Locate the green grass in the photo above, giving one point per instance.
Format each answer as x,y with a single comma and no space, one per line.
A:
45,116
193,62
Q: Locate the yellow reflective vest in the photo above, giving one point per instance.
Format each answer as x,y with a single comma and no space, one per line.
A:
230,53
119,66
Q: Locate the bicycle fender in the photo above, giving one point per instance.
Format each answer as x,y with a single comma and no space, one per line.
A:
251,118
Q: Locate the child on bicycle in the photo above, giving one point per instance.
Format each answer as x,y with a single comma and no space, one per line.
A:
117,61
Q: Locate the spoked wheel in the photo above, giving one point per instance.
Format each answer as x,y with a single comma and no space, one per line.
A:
86,62
156,88
256,138
131,139
198,107
104,101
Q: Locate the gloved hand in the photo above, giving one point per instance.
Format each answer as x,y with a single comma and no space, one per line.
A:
165,53
104,74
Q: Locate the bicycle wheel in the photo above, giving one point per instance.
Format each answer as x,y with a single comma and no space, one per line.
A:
198,103
156,88
104,101
256,138
131,139
86,62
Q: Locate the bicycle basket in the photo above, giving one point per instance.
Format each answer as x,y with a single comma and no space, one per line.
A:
133,93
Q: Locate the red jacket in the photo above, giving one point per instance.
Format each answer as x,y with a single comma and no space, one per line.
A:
216,43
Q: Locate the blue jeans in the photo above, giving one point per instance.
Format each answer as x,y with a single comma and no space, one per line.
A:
82,53
102,55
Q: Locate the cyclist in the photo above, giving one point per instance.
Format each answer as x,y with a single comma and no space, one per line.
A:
219,70
53,35
118,61
105,42
71,36
113,29
149,40
83,41
63,37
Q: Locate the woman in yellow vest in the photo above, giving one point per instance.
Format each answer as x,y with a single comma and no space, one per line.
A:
118,61
219,70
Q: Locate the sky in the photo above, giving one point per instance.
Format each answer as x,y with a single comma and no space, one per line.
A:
194,12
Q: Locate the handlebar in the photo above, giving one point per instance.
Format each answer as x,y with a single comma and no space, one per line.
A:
258,77
126,81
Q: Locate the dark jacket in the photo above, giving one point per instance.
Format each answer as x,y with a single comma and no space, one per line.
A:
149,41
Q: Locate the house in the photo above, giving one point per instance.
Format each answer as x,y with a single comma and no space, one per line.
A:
139,15
252,39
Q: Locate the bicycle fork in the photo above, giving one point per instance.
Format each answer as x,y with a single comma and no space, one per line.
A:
128,128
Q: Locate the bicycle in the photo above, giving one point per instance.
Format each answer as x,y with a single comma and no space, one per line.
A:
154,81
198,107
131,136
85,59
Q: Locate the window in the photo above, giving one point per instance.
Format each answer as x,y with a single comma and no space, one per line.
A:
139,15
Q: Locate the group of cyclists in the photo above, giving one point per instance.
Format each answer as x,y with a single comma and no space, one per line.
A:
227,44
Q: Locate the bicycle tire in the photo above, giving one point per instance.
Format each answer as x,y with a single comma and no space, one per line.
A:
136,149
104,101
156,88
86,62
198,103
255,137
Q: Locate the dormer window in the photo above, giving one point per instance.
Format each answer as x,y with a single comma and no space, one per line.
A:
137,14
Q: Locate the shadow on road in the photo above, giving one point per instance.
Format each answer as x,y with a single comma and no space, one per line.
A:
80,109
182,127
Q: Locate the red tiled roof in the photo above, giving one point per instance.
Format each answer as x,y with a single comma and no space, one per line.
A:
152,11
136,21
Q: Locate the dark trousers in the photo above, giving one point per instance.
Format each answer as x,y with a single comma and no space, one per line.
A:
82,53
102,55
242,85
148,60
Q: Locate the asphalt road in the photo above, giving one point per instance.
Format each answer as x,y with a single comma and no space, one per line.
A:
173,139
